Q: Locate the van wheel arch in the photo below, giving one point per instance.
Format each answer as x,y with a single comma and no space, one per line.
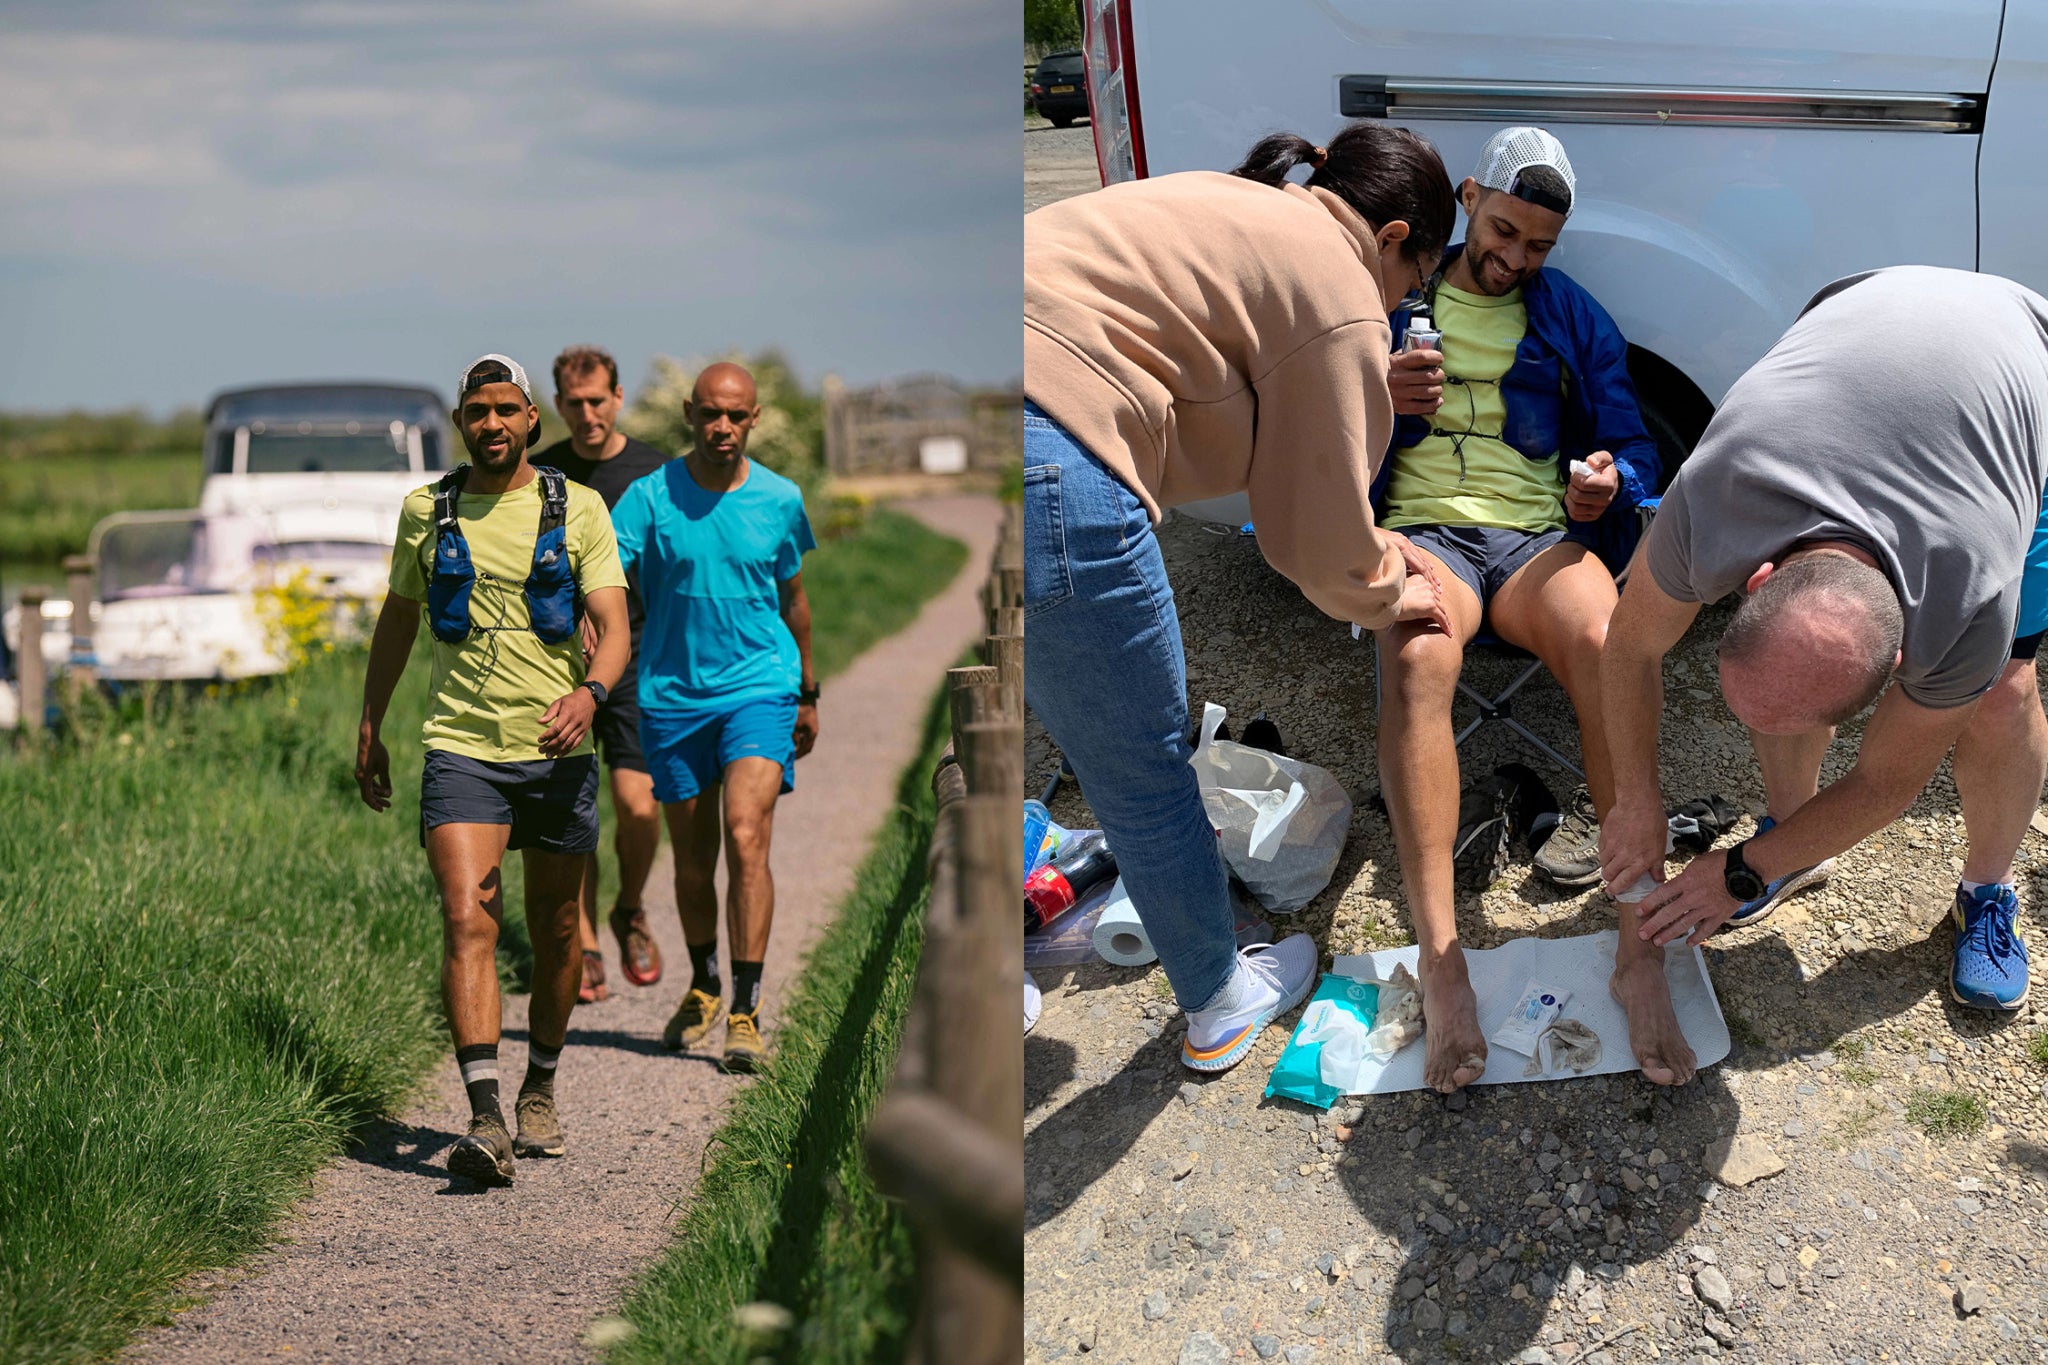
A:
1674,409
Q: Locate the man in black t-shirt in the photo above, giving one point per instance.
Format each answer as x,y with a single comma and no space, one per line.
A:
600,456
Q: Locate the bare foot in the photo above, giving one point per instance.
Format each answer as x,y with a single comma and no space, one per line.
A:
1454,1051
1660,1047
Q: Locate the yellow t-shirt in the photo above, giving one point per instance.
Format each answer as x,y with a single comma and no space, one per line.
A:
1495,485
490,690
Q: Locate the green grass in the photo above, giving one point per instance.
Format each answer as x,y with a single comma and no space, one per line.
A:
1945,1113
786,1212
48,507
2037,1049
870,585
1860,1075
216,964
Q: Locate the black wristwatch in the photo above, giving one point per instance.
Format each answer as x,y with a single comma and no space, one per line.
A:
1740,878
597,689
808,696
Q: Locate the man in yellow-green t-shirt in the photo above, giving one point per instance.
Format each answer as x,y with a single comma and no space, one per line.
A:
506,559
1519,459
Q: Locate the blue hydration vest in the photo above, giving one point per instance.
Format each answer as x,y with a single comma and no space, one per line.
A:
552,598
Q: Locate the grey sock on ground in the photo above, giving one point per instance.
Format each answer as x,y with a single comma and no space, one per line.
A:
479,1063
540,1069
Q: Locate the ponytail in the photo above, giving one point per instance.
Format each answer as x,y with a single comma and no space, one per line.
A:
1387,174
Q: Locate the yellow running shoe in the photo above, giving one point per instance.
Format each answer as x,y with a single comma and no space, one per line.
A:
744,1048
693,1020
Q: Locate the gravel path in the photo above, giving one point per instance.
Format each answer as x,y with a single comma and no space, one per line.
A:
1173,1219
1058,162
390,1261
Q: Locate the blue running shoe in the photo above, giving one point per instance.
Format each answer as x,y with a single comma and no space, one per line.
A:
1990,967
1759,910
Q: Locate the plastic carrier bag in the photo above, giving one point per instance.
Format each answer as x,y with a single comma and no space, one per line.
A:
1282,822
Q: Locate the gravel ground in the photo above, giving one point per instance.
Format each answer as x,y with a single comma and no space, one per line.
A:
390,1261
1058,162
1178,1219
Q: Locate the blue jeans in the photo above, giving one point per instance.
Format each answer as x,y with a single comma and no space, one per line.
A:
1103,670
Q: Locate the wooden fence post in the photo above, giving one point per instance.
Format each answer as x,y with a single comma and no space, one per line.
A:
1006,653
29,667
78,569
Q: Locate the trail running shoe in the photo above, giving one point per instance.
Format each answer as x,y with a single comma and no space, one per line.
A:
540,1132
1990,967
484,1154
1571,855
1273,979
593,988
744,1048
639,954
1758,910
693,1020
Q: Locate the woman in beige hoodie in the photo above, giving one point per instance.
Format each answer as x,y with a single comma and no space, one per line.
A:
1190,337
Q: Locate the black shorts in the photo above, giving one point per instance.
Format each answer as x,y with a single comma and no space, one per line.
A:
616,727
551,804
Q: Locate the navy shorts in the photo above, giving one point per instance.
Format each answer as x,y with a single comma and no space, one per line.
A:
689,754
551,803
616,727
1483,557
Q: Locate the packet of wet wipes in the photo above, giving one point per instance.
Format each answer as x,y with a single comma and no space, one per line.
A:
1533,1013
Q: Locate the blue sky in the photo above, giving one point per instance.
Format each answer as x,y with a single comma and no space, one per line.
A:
201,195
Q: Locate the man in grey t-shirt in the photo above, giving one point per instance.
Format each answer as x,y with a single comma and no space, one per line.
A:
1874,484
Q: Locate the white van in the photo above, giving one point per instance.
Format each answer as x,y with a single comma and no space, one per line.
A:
1732,155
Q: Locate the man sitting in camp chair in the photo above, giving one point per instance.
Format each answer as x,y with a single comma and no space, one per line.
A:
1529,382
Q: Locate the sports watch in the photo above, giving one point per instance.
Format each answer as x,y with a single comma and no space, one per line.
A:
597,689
1740,878
808,695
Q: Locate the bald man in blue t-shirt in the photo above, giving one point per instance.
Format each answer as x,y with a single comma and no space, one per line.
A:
727,695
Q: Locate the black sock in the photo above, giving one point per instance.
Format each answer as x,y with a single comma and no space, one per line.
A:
540,1069
479,1063
704,962
746,987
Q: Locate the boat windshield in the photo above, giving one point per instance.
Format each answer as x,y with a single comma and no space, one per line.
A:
173,556
309,448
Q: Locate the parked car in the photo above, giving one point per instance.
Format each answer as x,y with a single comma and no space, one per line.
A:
1059,89
1732,155
312,447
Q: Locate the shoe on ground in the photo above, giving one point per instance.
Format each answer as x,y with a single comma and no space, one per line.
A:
1571,855
1989,971
639,954
593,988
540,1131
745,1050
1273,979
484,1154
693,1020
1758,910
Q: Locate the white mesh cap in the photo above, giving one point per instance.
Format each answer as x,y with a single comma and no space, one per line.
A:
1529,164
492,369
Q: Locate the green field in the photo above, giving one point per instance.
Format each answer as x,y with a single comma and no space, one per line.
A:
786,1212
215,964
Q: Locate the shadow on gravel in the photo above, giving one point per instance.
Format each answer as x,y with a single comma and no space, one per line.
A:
404,1148
624,1041
1047,1063
1508,1145
1091,1132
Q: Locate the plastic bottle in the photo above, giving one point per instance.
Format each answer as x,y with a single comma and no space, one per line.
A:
1057,887
1036,818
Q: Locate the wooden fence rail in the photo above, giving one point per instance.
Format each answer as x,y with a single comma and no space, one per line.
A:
948,1140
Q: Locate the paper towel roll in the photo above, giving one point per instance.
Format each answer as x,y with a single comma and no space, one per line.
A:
1119,937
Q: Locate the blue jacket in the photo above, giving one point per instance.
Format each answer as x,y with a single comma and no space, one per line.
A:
1568,394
